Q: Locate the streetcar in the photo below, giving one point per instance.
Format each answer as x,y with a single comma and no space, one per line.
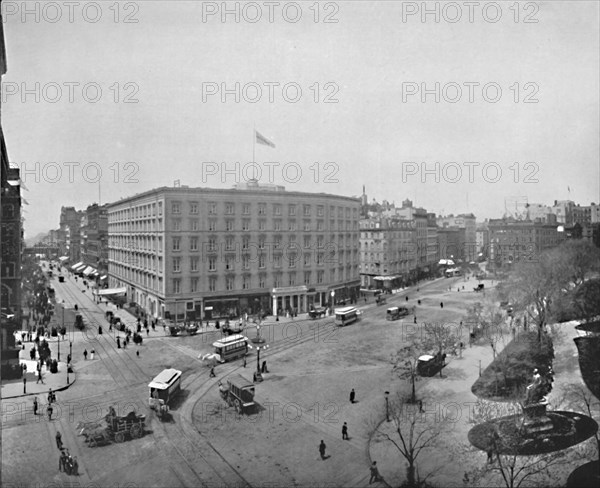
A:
232,347
394,313
346,315
163,388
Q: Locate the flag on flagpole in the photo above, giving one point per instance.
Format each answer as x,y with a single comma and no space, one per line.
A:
260,139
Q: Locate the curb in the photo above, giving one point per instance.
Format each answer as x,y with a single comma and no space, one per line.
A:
62,388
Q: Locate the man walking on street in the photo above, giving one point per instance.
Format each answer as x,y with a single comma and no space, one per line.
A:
352,396
244,361
345,432
212,372
35,405
39,377
59,443
85,354
49,412
374,473
322,448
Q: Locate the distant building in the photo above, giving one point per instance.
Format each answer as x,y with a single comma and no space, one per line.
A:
11,247
514,241
468,237
215,253
388,253
94,239
70,235
482,238
449,242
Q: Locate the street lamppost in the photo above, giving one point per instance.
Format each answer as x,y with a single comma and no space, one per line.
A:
258,349
332,299
387,406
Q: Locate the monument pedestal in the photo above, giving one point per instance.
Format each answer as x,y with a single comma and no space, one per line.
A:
536,420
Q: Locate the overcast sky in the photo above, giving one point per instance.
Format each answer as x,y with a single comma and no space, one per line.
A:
370,61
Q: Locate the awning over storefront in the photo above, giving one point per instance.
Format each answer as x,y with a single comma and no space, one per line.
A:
290,290
113,291
386,278
62,259
75,266
88,271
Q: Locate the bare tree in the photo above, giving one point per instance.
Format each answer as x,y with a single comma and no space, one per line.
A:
404,363
439,336
410,436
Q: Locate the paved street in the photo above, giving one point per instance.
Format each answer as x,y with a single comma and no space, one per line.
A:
304,398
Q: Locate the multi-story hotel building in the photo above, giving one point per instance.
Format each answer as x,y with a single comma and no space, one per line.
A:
388,252
514,241
214,253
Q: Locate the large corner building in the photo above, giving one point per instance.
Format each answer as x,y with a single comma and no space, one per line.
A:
201,253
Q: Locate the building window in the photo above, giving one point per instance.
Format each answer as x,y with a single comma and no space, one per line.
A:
175,208
194,224
177,285
177,225
246,209
277,261
319,258
261,261
261,281
229,263
212,244
229,225
277,242
262,225
212,208
307,210
229,208
245,282
194,207
292,279
292,225
212,284
229,283
212,264
245,243
276,281
320,277
246,225
277,209
212,225
320,211
194,283
194,264
306,259
319,225
277,225
292,210
307,225
306,242
193,243
307,277
246,261
176,244
292,260
229,244
176,265
262,209
261,242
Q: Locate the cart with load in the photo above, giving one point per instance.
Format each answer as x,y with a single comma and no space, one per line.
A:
238,393
116,428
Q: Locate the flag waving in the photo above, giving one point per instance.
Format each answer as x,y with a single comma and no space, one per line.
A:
263,140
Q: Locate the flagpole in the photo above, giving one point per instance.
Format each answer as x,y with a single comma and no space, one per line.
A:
254,143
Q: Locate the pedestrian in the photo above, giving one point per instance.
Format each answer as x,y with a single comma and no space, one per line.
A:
35,405
153,326
50,396
345,432
24,385
39,377
374,473
352,396
125,343
264,367
212,372
147,332
322,448
99,330
415,319
62,461
441,304
85,353
59,443
244,361
146,323
92,352
421,406
118,342
49,410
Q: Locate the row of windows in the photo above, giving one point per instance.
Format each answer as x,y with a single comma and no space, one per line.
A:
231,283
230,225
261,261
229,208
137,212
276,242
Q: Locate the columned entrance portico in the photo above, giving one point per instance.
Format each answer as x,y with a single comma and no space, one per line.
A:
289,299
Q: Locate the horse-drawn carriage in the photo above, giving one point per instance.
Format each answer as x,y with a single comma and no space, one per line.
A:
317,313
116,428
239,393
